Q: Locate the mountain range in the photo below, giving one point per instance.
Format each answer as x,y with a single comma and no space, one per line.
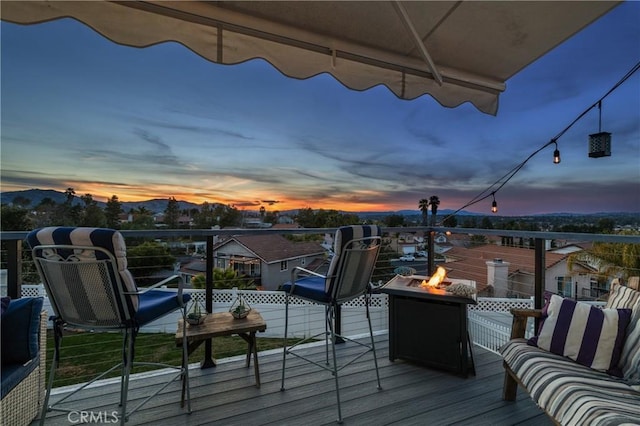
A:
35,197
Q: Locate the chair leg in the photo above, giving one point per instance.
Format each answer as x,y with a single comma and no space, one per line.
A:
331,324
129,345
373,344
327,326
185,361
57,333
284,345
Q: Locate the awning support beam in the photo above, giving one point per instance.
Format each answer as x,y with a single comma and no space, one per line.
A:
406,20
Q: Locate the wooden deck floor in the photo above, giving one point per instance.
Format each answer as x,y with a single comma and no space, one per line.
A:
411,395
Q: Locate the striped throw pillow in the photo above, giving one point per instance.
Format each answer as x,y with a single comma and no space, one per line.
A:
630,358
590,336
622,297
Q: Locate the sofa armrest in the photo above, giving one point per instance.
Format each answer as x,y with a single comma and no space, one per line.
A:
520,317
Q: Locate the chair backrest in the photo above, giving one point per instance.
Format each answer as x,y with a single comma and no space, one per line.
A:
356,250
85,273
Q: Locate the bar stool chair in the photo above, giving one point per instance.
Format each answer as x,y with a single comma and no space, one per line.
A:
84,271
355,250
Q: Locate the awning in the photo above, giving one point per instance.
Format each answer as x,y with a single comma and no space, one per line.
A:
455,51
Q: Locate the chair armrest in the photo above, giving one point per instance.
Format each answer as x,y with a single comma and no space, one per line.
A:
520,317
161,283
156,285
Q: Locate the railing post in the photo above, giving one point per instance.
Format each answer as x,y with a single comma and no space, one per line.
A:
208,360
431,256
14,268
539,278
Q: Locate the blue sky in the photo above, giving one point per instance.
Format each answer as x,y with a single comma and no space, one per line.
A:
80,111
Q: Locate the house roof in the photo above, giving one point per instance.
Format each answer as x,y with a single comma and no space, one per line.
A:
195,267
470,263
275,248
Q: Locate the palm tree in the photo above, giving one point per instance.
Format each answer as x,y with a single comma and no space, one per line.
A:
610,259
434,201
423,205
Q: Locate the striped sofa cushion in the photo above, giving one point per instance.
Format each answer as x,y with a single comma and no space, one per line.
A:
571,393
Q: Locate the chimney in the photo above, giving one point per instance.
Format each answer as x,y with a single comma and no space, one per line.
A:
497,276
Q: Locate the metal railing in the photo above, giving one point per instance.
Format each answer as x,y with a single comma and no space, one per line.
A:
486,329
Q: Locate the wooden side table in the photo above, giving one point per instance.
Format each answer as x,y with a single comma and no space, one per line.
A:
224,324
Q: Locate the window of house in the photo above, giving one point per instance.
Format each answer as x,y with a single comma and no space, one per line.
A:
283,265
564,286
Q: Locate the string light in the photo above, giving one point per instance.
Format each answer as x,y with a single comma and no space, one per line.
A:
498,184
556,154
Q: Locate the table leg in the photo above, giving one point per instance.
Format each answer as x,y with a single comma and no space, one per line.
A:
252,349
255,358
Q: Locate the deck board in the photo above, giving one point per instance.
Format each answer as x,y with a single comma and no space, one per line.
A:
411,394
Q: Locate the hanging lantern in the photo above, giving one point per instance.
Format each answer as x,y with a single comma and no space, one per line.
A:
600,143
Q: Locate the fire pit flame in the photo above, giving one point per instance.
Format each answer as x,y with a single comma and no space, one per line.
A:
436,279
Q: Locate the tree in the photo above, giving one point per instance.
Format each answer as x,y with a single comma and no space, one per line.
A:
20,201
228,215
306,218
205,218
45,213
423,205
112,212
394,220
450,221
223,279
66,214
92,215
610,259
434,202
148,258
172,213
14,218
142,219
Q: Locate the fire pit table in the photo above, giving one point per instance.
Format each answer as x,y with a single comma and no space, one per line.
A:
429,325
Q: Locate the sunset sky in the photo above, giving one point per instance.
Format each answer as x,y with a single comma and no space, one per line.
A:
80,111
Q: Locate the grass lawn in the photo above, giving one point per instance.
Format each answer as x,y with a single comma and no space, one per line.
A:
84,355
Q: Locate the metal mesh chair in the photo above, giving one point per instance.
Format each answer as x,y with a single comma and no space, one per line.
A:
84,271
355,253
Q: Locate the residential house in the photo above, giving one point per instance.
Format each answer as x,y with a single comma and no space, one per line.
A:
502,271
269,259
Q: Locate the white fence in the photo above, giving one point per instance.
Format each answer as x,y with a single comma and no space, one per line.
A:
489,320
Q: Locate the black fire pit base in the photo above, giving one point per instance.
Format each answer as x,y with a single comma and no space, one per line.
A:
429,328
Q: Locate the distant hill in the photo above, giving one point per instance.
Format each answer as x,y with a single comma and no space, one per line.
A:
37,195
159,205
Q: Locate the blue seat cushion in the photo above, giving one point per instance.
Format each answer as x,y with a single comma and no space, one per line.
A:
156,303
12,374
311,288
20,328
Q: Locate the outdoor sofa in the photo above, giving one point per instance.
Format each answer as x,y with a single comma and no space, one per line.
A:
23,352
582,367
